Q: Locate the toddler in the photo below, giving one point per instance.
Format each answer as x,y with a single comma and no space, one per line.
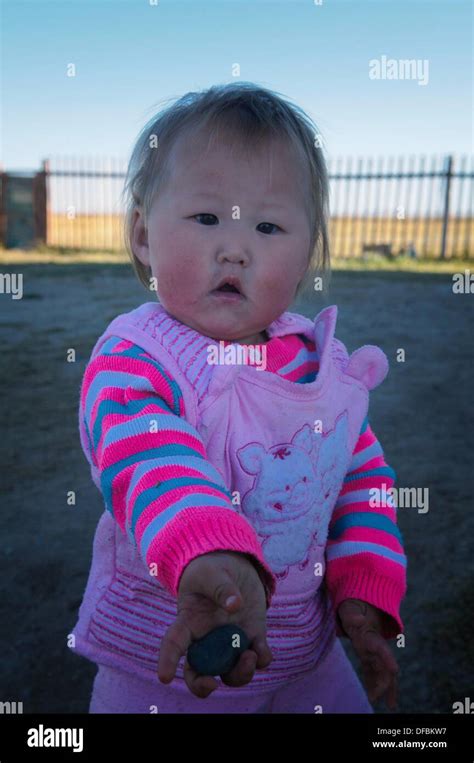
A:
238,486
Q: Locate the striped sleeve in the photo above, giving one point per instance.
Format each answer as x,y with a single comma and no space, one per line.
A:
365,555
294,357
152,468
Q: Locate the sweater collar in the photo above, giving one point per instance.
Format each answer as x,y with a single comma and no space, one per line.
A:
319,330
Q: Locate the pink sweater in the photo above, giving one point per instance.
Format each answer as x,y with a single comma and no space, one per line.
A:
124,385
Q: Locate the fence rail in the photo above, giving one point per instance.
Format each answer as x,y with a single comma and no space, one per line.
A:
418,205
415,204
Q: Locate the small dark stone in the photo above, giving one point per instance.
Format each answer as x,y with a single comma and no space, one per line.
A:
213,654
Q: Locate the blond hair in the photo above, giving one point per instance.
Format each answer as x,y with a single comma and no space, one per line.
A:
252,114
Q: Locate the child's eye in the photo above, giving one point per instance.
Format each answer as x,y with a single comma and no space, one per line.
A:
205,214
269,224
208,221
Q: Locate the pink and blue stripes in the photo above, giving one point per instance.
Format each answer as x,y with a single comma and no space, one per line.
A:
153,466
365,546
152,462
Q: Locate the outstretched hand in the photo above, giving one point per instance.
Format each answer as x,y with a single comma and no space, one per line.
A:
215,589
363,625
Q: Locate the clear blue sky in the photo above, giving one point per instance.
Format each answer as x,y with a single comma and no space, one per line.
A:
130,54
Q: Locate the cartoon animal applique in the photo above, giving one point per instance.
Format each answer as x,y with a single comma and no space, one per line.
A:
296,485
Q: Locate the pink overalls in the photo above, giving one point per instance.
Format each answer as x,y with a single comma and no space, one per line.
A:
282,450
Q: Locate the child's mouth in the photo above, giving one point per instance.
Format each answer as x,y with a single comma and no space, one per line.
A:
228,296
228,292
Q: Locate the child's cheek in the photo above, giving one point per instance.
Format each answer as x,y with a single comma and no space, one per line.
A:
178,281
176,263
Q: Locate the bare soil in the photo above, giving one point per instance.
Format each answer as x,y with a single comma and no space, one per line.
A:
420,413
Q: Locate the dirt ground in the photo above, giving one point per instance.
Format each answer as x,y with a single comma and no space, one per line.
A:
420,413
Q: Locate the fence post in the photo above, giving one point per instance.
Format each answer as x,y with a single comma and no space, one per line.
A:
40,202
449,174
3,215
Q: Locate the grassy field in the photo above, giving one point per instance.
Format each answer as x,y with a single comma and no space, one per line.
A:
373,262
421,414
347,234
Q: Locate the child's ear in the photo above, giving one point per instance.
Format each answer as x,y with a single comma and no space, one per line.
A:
139,238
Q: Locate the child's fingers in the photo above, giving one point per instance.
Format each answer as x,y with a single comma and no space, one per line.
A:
200,686
383,684
389,669
380,681
374,650
174,644
263,652
377,684
386,655
243,672
392,694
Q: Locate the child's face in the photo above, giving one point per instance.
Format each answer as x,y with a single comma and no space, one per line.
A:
232,196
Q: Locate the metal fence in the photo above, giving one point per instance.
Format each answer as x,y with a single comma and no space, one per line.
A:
418,205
